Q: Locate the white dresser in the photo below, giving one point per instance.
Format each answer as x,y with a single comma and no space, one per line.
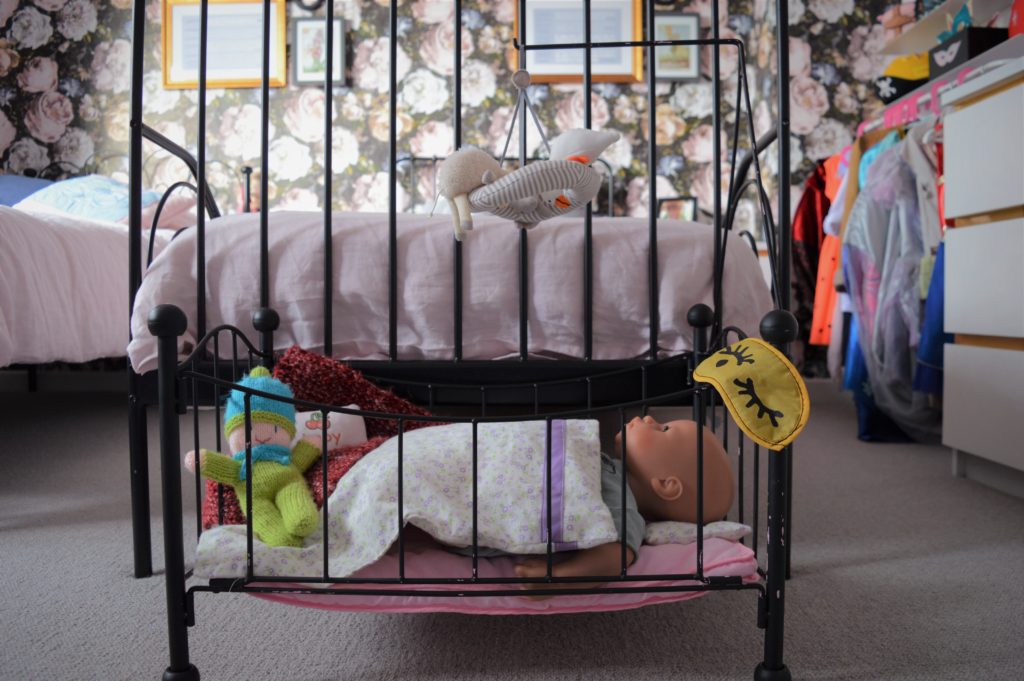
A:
983,391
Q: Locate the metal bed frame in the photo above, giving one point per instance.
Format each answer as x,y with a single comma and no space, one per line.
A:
603,385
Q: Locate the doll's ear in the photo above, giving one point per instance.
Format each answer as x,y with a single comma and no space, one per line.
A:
668,489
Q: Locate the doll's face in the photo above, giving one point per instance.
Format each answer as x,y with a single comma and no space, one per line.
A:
262,434
653,448
656,460
662,464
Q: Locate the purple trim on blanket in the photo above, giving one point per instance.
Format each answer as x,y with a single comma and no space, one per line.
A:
558,428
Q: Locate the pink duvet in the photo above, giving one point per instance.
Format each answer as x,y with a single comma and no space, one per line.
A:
63,287
425,292
721,558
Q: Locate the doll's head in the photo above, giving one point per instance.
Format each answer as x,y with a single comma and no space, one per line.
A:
273,422
661,462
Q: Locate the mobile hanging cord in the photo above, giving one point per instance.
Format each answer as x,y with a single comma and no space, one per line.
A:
521,81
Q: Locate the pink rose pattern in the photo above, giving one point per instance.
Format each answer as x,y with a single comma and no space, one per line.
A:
48,116
56,119
54,103
38,75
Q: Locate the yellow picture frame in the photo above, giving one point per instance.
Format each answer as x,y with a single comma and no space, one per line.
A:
234,44
541,72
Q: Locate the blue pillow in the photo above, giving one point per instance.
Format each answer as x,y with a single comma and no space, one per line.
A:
14,188
94,197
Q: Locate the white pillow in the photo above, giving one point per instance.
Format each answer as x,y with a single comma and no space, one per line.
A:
343,430
671,532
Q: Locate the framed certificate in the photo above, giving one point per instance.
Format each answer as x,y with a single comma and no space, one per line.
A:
554,22
234,57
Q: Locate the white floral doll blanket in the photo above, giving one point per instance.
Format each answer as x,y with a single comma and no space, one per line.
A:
437,497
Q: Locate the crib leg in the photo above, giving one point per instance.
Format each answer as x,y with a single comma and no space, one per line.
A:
138,453
167,322
772,668
789,513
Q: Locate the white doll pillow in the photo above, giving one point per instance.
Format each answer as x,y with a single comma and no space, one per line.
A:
343,430
671,532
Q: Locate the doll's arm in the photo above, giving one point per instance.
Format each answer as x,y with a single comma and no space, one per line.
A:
219,468
598,561
304,454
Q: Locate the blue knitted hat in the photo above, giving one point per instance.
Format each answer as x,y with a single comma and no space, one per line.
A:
262,409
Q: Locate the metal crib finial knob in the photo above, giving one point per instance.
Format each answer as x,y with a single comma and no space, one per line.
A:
166,320
700,316
521,79
779,327
265,319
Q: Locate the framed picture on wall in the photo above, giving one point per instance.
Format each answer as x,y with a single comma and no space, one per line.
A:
234,43
557,22
309,51
677,62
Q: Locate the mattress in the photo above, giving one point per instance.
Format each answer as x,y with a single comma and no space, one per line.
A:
722,558
425,285
63,287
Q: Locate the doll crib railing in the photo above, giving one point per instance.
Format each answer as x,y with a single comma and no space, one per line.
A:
143,389
168,322
772,667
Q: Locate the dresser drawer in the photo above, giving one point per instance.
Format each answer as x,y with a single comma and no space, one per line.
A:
983,403
984,154
985,279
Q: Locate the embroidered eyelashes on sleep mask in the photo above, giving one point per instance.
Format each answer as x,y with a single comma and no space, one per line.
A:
761,389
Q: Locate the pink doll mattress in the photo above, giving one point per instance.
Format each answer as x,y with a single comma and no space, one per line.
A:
721,558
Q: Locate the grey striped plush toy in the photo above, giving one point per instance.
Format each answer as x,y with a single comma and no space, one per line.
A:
472,181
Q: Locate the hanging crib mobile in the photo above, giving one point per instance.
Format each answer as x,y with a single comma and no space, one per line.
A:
472,181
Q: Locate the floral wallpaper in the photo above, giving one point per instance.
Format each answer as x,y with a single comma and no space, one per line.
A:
63,76
425,41
834,57
65,65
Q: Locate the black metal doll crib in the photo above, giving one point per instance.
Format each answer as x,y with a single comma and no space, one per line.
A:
470,391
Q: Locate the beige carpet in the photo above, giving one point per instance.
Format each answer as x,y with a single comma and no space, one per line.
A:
901,572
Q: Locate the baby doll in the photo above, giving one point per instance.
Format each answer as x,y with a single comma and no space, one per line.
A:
282,506
661,478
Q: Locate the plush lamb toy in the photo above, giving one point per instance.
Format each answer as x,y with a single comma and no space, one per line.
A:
472,180
283,508
461,173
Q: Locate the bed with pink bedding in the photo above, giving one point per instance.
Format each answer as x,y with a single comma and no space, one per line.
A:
425,295
63,287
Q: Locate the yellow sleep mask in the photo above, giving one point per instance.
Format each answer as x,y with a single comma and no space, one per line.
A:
762,390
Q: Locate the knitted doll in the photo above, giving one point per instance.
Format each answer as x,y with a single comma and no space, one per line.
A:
282,506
